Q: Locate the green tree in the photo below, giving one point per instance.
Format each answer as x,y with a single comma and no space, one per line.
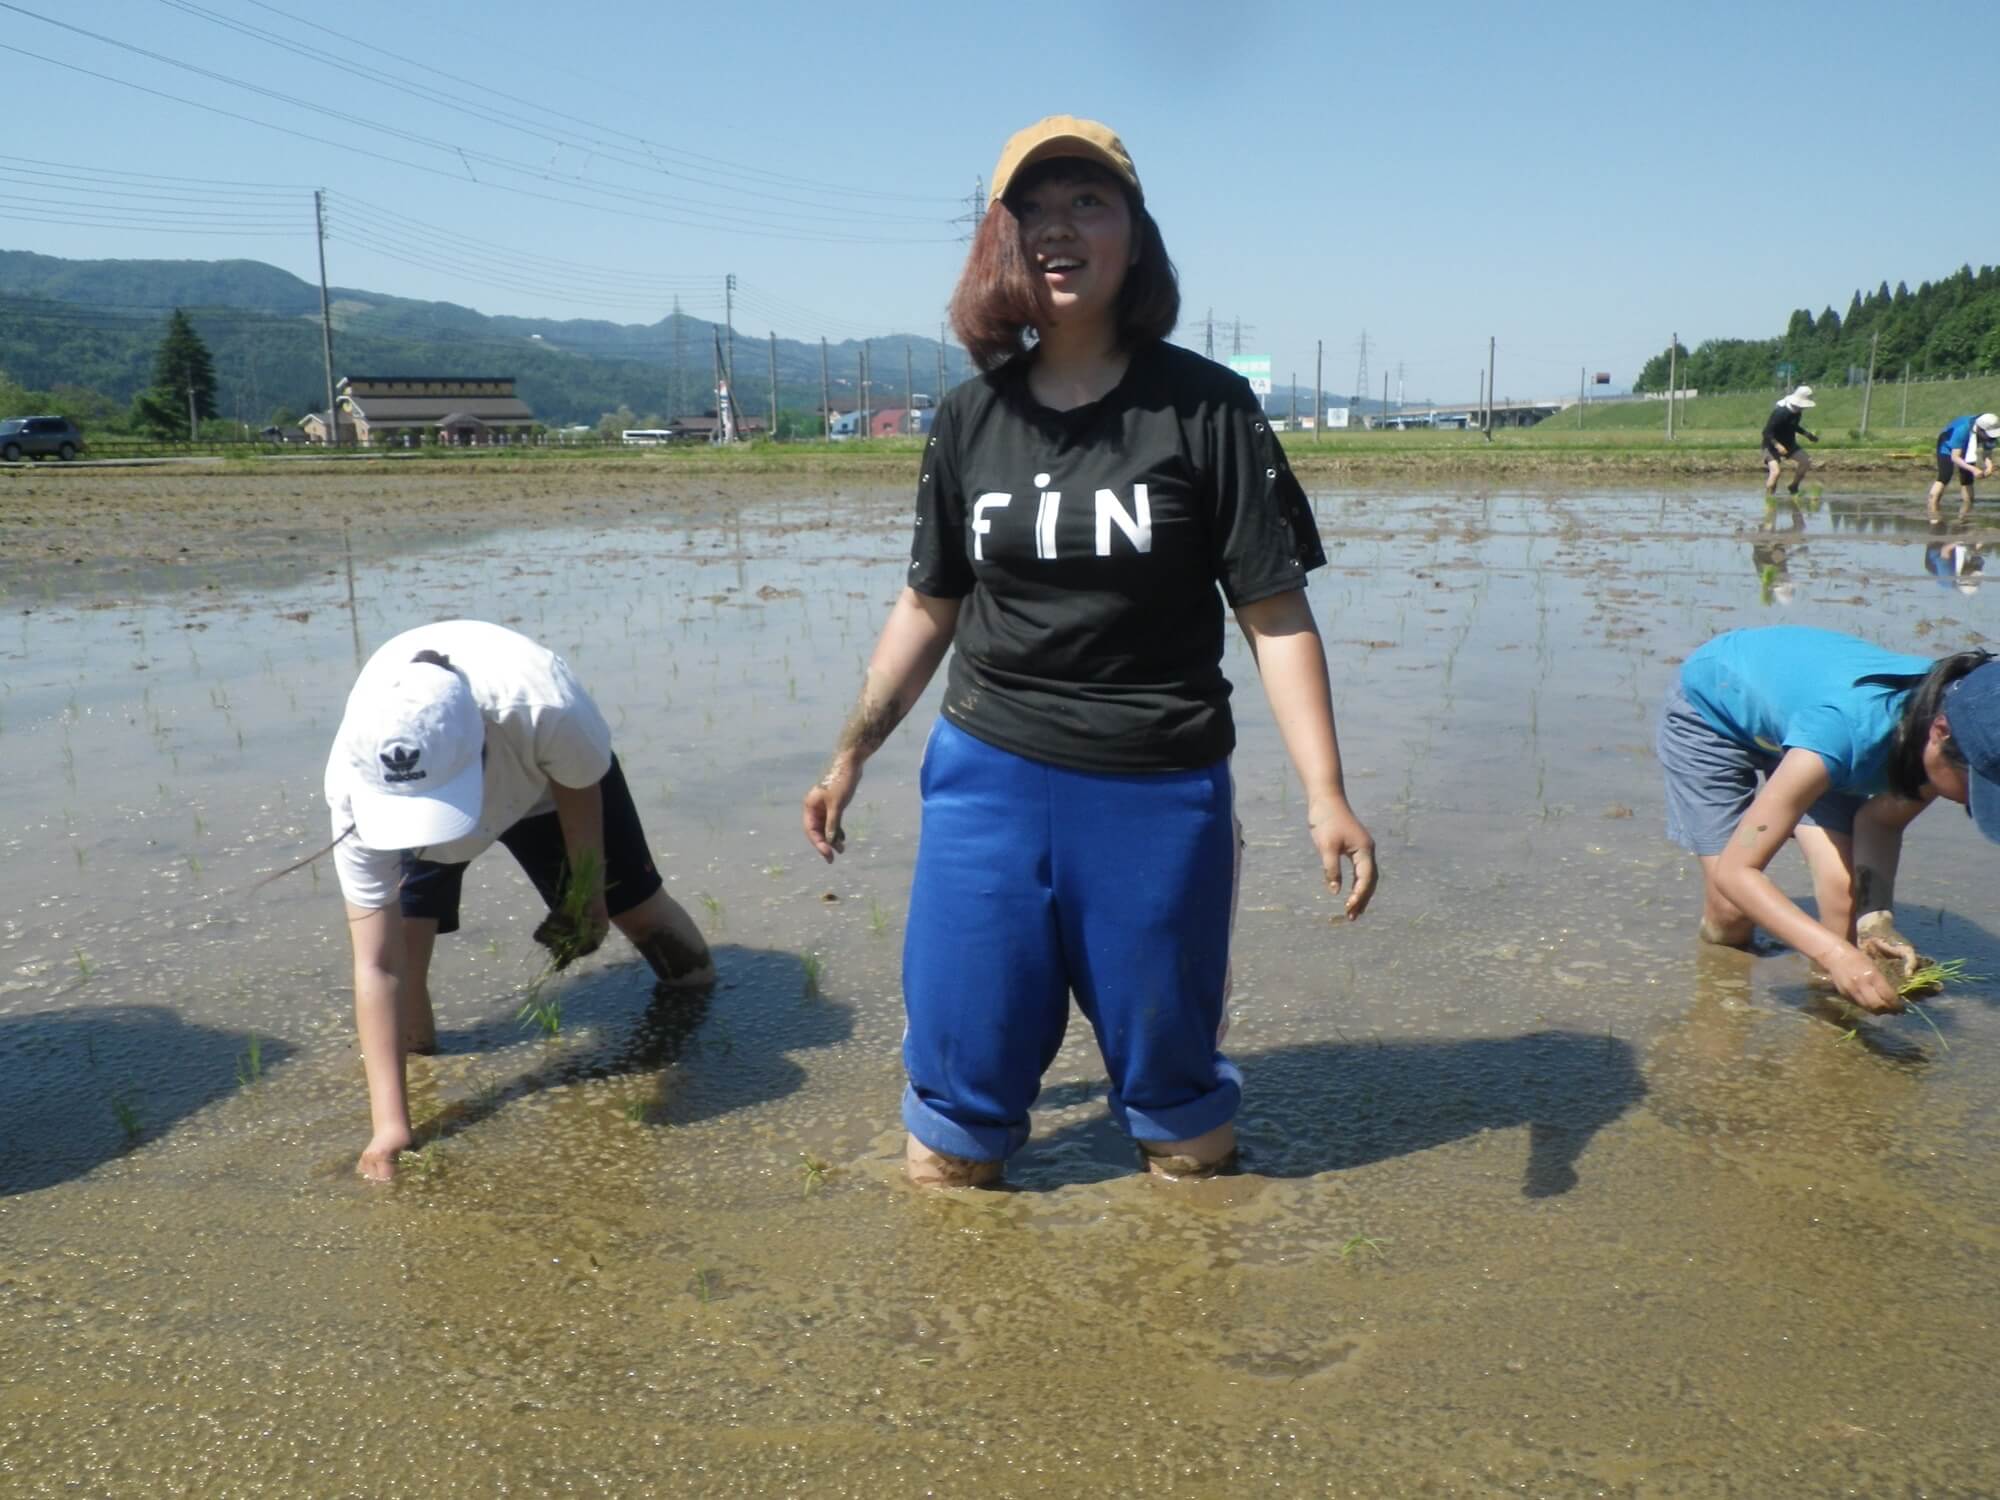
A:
183,377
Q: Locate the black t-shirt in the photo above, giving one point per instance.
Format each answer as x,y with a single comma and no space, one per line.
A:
1782,426
1088,546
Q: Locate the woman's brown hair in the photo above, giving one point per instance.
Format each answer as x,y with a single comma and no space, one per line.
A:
998,298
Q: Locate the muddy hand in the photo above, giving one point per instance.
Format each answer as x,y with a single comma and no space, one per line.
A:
567,940
378,1161
1854,974
824,804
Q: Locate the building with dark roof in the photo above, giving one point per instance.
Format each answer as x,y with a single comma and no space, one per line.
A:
413,410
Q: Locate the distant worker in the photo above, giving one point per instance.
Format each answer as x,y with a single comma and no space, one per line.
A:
457,736
1781,440
1961,450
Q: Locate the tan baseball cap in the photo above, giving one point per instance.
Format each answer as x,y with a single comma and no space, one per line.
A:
1064,135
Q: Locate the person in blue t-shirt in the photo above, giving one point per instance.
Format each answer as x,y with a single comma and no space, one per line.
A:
1965,453
1851,742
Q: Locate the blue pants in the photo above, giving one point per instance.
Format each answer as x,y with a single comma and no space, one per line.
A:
1034,881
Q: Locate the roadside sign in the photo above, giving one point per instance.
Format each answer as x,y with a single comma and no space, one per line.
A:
1336,416
1255,368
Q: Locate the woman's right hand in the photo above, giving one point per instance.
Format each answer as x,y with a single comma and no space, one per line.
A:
825,803
1854,974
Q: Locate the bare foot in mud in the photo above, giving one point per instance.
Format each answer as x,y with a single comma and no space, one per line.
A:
934,1169
1207,1155
676,963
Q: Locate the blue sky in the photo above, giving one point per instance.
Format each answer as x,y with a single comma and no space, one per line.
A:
1578,181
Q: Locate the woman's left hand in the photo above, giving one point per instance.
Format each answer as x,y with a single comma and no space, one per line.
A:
1336,832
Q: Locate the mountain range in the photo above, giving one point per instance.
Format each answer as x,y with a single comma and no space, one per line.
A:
95,324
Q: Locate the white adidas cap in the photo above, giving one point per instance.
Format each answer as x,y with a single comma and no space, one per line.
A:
413,746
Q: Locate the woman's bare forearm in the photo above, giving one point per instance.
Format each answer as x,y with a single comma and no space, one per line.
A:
913,641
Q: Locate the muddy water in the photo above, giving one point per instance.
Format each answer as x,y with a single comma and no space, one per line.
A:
1540,1198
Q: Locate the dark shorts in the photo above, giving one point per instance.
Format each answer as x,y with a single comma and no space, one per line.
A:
1712,780
1771,452
536,842
1948,471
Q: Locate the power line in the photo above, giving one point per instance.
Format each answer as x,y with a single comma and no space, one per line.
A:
710,221
652,148
513,121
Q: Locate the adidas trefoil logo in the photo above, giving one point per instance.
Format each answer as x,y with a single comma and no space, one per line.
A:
402,765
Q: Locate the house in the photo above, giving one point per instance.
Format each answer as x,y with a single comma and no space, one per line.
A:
313,425
407,411
901,421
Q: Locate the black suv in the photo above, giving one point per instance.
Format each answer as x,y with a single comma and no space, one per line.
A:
39,437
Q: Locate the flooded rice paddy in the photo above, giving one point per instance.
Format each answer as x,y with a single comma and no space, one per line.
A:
1539,1196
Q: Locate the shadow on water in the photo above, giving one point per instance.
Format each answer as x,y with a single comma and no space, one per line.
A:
1327,1106
79,1087
617,1024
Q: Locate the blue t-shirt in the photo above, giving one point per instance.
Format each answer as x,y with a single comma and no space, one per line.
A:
1790,687
1957,437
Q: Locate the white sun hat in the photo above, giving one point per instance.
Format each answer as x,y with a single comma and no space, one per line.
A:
1799,399
413,744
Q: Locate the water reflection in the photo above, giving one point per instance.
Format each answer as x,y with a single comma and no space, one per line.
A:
1772,547
1956,565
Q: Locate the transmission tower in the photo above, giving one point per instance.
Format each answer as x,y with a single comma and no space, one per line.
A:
975,209
1208,335
1361,370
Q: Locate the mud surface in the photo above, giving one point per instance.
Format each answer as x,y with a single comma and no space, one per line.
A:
1540,1195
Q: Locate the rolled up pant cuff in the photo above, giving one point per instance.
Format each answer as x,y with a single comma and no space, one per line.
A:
1183,1122
951,1138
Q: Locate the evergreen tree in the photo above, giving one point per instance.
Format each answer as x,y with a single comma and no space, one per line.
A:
183,375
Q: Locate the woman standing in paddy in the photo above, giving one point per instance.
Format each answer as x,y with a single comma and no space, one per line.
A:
1080,503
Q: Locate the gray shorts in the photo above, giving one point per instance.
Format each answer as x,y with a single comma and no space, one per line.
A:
1712,780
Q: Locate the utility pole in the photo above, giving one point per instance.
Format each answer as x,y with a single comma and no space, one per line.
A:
773,433
729,320
326,322
1295,401
194,422
1385,398
1579,398
1319,386
675,394
1673,358
1491,344
721,393
1400,402
1208,335
909,391
1906,395
940,389
825,395
1361,372
861,423
1236,342
1482,399
1868,390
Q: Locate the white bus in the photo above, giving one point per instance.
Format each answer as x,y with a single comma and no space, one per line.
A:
646,437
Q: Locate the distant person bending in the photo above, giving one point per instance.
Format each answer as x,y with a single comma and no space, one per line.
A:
1851,743
1088,506
1965,453
1782,430
457,736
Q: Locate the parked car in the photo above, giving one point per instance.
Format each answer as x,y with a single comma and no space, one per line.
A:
39,437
